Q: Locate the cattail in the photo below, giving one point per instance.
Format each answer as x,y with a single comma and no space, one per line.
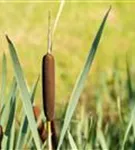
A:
1,135
37,112
43,134
41,128
48,80
48,86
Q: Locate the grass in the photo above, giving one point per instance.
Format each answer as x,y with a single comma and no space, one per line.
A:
85,19
104,118
8,142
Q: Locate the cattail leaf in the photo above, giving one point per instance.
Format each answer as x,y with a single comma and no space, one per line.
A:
58,16
24,123
130,93
129,85
5,112
44,145
30,140
3,81
4,142
80,82
128,129
72,142
12,135
10,121
131,123
34,88
2,109
100,135
119,109
91,133
24,93
101,139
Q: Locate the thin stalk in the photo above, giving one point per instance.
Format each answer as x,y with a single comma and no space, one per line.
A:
49,34
119,109
58,16
49,135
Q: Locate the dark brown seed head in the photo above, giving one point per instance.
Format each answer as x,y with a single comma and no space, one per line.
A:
41,128
48,86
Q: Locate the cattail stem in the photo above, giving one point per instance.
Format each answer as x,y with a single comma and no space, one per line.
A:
49,40
49,135
48,85
54,135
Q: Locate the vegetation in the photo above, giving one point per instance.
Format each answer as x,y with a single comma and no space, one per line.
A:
104,119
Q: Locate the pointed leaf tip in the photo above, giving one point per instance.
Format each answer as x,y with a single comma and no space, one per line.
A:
79,85
110,7
107,13
4,55
109,10
9,41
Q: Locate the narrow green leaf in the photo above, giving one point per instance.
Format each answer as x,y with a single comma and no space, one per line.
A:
33,91
5,112
72,142
24,92
128,129
12,136
101,139
24,123
2,109
10,121
4,142
119,108
131,122
129,84
80,82
3,81
58,16
91,134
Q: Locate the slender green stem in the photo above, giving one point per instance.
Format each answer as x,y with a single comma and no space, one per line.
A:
49,135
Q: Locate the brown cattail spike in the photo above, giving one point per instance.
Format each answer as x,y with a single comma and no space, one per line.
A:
48,86
41,128
1,135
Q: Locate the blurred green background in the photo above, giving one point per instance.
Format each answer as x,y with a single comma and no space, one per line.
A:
26,25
